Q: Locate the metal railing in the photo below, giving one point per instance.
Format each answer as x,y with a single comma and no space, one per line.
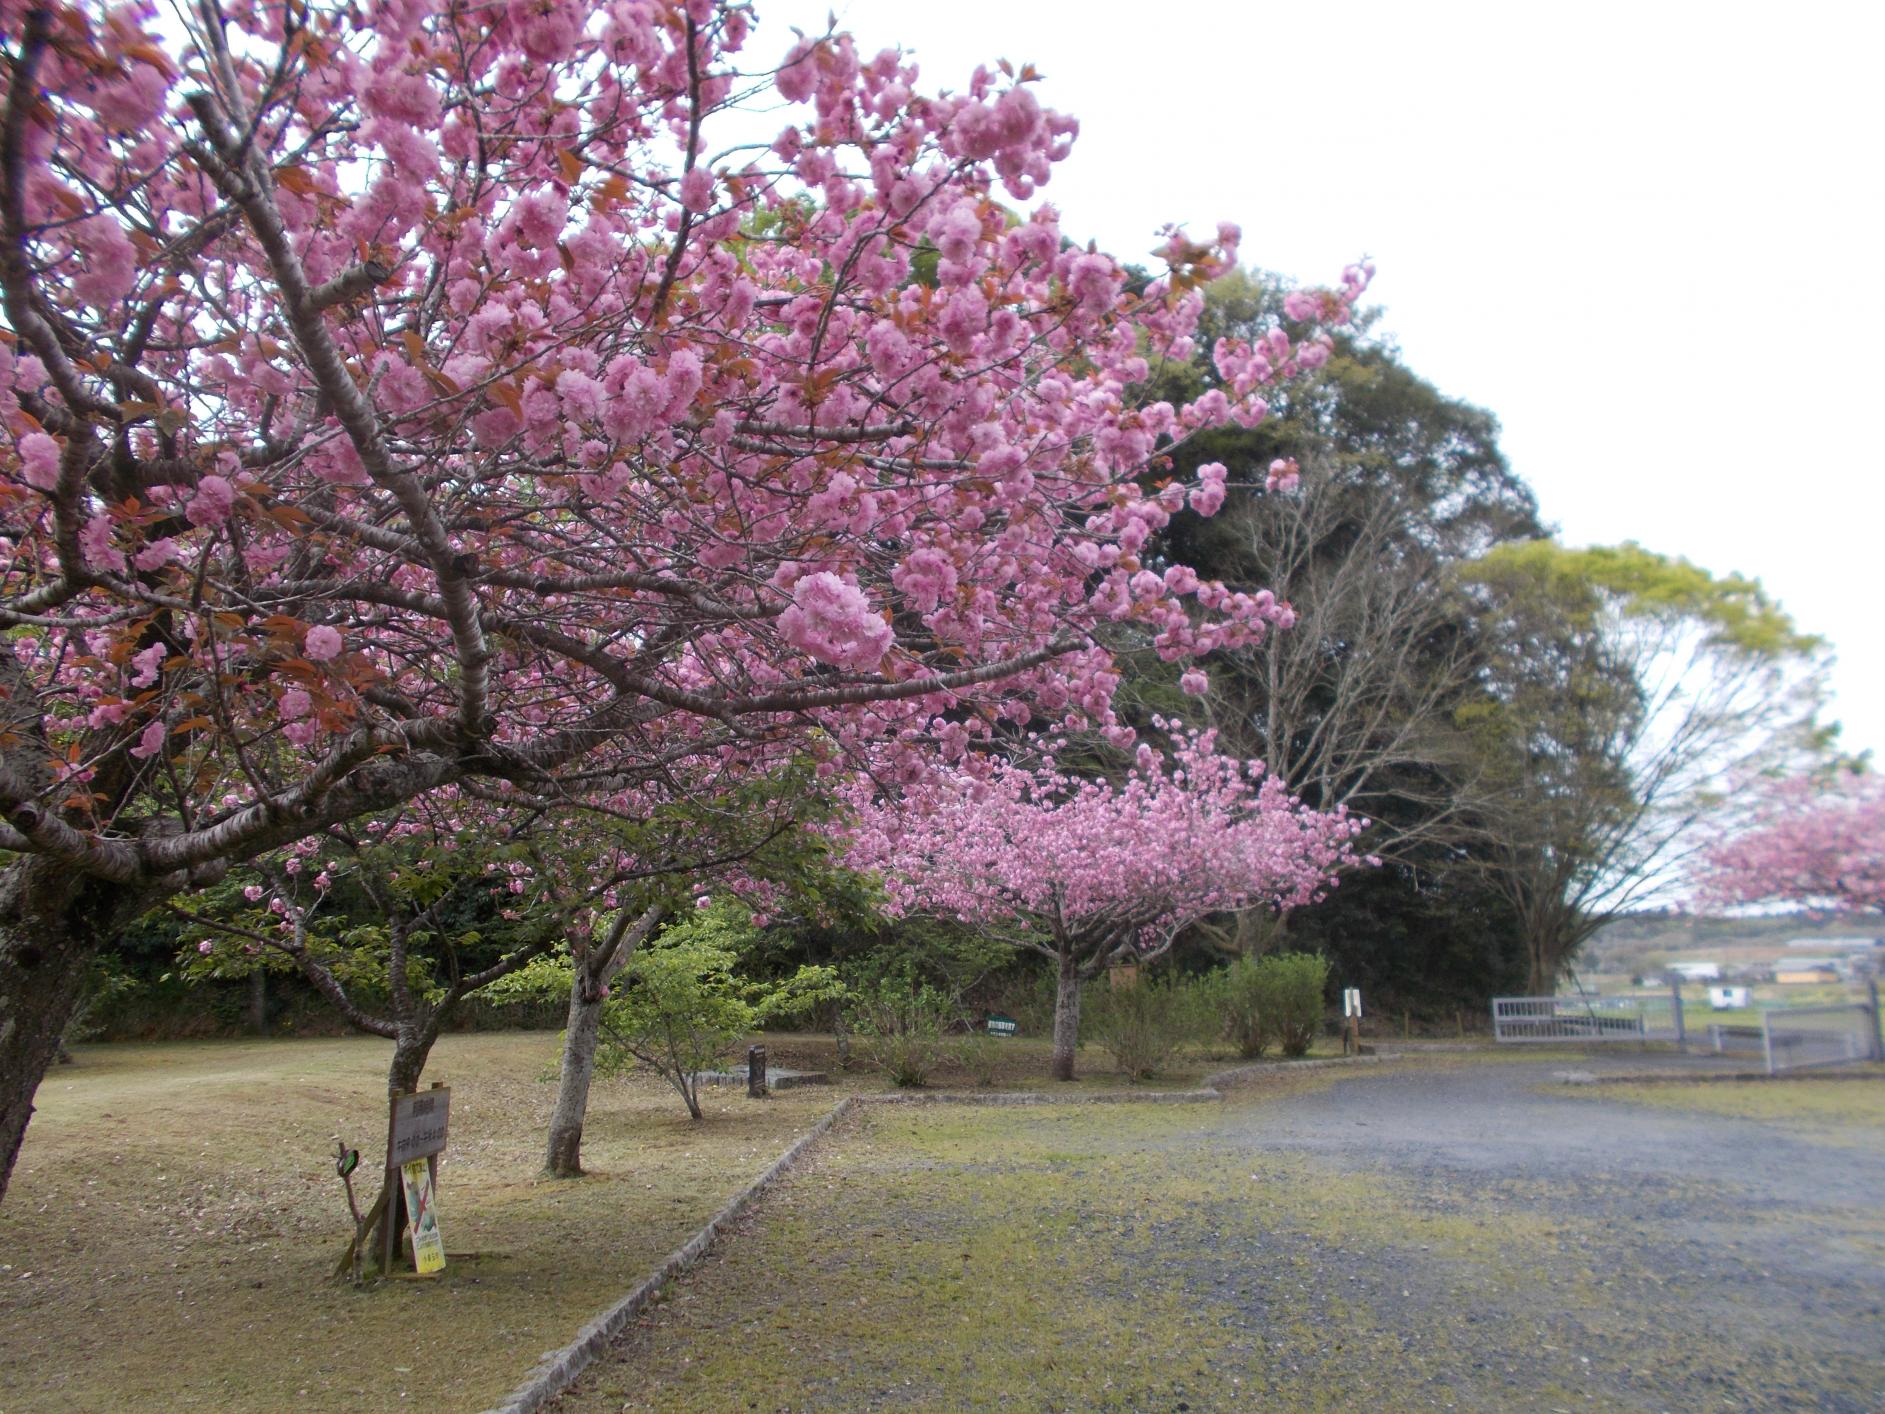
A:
1787,1038
1798,1038
1736,1040
1571,1019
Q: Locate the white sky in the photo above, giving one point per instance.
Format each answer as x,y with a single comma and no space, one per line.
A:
1644,235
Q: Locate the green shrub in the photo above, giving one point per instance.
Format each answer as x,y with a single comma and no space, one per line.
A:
899,1026
1238,991
1272,1000
679,1006
981,1055
1141,1025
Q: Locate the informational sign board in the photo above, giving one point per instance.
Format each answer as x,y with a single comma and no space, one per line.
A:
1001,1026
421,1184
418,1129
1351,1002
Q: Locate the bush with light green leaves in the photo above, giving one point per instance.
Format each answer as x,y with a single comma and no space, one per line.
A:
680,1005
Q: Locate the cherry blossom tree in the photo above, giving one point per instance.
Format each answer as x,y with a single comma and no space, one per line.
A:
414,394
1089,872
1811,841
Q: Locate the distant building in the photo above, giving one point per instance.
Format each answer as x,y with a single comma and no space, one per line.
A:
1695,971
1804,970
1728,998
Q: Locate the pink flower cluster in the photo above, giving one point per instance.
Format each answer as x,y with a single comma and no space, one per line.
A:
562,471
1810,841
1178,839
834,623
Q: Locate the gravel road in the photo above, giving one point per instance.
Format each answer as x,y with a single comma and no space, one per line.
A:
1449,1232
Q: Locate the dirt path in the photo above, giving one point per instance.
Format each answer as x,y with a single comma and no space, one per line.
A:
1452,1232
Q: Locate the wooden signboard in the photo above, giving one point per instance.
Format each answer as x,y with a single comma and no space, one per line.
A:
415,1137
418,1129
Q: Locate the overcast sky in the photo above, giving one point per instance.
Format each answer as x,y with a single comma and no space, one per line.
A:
1646,236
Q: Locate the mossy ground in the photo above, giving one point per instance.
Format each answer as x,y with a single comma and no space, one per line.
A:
169,1235
1830,1111
1134,1258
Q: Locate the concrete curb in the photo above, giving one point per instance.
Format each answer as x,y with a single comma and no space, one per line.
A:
1265,1070
558,1370
1568,1077
1046,1097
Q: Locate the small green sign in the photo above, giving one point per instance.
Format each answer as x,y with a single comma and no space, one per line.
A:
1001,1026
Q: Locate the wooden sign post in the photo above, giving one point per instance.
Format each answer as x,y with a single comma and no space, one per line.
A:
416,1127
1351,1021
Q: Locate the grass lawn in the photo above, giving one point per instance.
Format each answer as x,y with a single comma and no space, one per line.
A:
1826,1111
1270,1253
168,1238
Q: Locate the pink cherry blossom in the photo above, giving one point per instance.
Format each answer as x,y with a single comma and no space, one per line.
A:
1809,841
211,504
1090,871
322,643
834,622
39,460
697,189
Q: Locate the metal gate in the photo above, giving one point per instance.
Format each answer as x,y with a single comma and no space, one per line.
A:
1788,1038
1638,1019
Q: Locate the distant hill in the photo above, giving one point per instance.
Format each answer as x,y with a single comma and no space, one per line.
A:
1644,942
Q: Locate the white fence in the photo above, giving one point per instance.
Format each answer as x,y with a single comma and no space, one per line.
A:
1639,1019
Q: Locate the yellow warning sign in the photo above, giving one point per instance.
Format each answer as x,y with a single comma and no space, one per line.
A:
428,1248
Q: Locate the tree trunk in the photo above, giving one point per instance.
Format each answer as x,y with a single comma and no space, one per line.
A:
1066,1019
1542,964
53,922
564,1159
410,1050
594,973
258,1001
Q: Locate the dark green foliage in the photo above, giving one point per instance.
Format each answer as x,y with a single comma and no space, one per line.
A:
1356,705
1417,942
